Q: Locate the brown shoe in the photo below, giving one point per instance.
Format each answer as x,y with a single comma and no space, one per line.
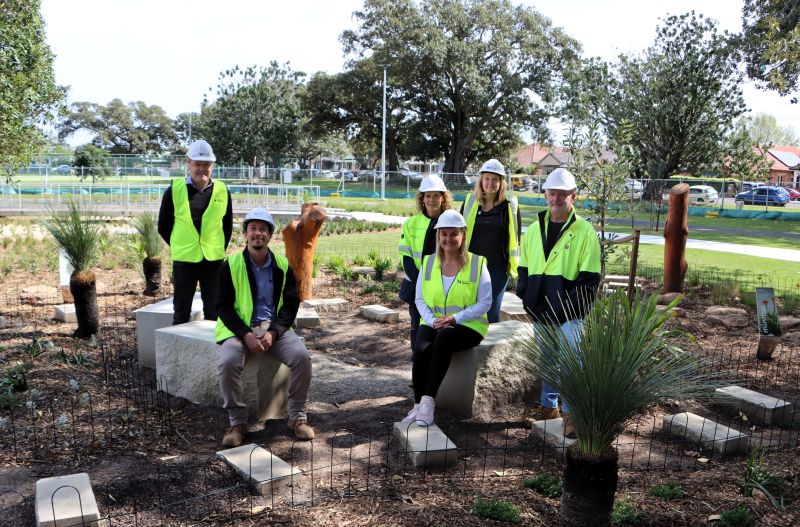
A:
550,413
300,428
569,428
234,435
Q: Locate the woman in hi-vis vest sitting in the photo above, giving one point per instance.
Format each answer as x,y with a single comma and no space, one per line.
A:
454,292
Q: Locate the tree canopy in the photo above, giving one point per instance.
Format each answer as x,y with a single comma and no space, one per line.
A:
770,43
765,130
119,128
471,75
29,95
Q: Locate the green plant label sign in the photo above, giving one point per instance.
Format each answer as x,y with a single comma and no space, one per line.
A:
768,322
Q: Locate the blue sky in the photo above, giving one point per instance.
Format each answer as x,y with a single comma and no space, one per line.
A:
170,52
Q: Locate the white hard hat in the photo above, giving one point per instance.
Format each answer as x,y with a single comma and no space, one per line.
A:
450,218
260,214
495,167
201,151
560,179
432,183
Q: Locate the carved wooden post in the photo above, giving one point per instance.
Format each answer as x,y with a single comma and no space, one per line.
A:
300,238
676,232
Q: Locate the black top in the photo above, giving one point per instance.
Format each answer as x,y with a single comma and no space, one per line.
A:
198,203
553,234
489,233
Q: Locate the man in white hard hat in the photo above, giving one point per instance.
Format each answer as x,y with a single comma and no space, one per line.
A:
419,239
257,307
559,273
196,221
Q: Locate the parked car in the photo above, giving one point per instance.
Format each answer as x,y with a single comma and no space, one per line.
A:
702,194
776,196
794,194
348,175
405,172
750,185
634,186
63,169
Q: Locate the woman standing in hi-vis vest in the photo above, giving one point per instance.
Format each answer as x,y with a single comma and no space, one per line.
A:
493,229
453,293
419,239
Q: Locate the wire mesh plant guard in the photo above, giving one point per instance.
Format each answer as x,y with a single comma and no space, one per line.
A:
625,360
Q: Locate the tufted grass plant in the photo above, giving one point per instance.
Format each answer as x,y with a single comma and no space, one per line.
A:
147,239
76,234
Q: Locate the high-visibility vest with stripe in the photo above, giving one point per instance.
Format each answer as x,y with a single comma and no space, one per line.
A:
462,294
471,207
413,240
243,301
186,244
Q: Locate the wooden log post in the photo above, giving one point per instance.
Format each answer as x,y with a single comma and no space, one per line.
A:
300,238
676,232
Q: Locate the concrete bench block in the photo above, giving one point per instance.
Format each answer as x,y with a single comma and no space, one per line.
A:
73,501
482,381
511,308
551,432
156,316
306,318
186,366
326,305
379,313
721,439
66,313
759,408
426,446
263,470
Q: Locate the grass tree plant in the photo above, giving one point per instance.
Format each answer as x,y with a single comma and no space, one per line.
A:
626,360
79,237
148,246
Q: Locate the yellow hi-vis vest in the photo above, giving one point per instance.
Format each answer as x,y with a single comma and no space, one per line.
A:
186,244
471,212
462,294
413,239
243,303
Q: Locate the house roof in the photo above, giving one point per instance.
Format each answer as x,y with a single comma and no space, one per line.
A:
534,153
789,160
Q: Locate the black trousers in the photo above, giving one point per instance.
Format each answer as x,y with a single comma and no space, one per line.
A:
185,276
432,352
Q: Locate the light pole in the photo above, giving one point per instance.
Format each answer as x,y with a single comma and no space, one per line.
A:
383,137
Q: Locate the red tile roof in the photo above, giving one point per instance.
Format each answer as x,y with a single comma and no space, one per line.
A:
530,154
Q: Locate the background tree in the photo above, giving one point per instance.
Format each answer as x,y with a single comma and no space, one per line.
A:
29,95
256,116
119,128
91,161
764,129
770,43
469,69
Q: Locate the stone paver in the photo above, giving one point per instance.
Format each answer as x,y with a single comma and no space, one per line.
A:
263,470
156,316
511,308
426,446
326,305
66,313
551,432
379,313
758,407
38,294
306,318
74,502
730,317
721,439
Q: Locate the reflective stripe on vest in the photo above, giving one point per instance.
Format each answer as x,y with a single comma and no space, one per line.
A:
413,240
462,293
576,251
471,212
243,301
185,243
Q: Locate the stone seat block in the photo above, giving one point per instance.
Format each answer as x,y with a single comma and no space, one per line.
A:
306,318
71,497
482,381
186,366
326,305
426,446
263,470
379,313
156,316
551,432
66,313
759,408
705,432
511,308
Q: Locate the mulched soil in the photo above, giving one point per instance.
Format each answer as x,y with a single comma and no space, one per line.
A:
145,450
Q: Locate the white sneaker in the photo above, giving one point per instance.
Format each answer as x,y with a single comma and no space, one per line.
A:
425,411
412,415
